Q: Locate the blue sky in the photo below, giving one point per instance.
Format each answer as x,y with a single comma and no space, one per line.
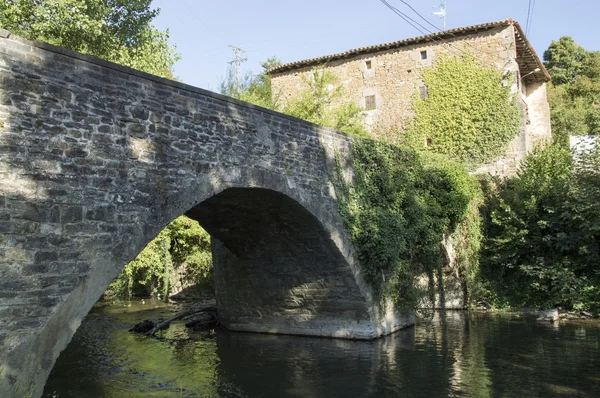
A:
296,30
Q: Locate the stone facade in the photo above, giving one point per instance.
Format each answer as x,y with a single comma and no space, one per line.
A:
95,159
383,79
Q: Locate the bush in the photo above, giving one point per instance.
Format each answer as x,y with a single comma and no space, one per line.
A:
543,232
183,243
397,209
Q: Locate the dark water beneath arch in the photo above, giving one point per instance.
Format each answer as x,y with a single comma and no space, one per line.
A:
458,355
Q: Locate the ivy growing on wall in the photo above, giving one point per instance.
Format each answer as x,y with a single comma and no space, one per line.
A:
468,113
397,208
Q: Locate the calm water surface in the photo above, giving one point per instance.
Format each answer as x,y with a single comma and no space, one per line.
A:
456,355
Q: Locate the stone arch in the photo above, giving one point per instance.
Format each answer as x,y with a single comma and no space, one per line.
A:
97,158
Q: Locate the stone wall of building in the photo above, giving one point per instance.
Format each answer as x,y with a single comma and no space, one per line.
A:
393,77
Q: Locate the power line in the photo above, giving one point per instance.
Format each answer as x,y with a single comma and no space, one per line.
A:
405,17
530,16
421,16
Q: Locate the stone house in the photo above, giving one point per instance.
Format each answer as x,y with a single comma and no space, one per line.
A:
382,79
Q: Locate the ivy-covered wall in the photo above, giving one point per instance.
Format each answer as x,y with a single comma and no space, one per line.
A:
469,113
397,207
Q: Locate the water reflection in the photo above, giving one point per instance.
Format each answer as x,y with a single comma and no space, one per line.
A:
450,355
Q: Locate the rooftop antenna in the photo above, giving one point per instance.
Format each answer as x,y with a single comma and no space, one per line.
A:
237,62
442,12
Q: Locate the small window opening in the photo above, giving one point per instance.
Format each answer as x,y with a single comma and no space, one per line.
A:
428,142
368,64
424,54
410,71
369,102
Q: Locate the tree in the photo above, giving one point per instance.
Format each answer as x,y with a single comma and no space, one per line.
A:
574,95
183,243
116,30
565,60
254,89
543,232
322,102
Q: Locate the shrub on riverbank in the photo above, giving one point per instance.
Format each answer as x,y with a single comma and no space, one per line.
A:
183,243
397,208
542,246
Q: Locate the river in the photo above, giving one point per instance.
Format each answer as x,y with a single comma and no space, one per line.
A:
458,354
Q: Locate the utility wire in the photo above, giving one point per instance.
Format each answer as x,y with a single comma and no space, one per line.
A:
199,19
450,33
421,16
405,17
408,19
530,17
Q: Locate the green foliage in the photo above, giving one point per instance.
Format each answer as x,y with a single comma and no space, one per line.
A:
468,114
254,89
397,209
543,232
466,240
565,60
322,102
116,30
183,243
574,95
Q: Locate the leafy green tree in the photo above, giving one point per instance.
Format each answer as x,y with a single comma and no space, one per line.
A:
543,232
254,89
565,60
322,102
116,30
574,94
183,243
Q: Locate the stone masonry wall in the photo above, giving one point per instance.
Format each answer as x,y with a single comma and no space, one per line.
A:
395,74
395,77
95,159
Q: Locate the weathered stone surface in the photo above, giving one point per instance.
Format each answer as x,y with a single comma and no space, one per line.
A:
393,75
96,159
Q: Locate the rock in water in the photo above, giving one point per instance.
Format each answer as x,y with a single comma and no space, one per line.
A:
549,315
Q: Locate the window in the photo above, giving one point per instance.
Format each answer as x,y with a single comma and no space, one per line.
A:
369,66
370,102
424,54
428,142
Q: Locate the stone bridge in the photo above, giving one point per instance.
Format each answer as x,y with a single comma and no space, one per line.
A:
96,158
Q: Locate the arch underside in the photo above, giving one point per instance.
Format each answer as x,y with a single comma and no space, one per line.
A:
277,269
